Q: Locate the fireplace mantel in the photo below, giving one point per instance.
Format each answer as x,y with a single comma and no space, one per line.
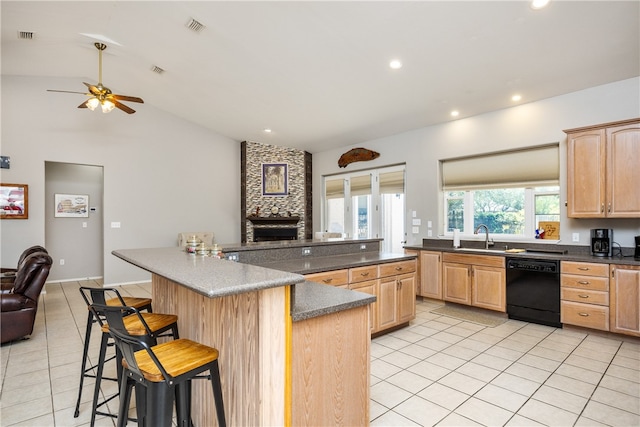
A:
273,220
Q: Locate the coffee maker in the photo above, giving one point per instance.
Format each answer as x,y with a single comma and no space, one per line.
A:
601,241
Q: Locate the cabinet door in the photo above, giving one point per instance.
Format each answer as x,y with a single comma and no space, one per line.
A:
456,283
430,284
623,171
387,302
488,288
586,174
406,297
370,287
625,299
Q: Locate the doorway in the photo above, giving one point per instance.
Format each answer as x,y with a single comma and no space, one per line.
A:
76,240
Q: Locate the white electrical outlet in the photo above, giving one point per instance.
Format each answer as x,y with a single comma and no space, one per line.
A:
84,225
61,262
115,225
306,251
415,230
575,237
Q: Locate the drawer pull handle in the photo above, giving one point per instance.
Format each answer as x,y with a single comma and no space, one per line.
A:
583,268
583,314
327,280
398,268
583,296
583,282
364,274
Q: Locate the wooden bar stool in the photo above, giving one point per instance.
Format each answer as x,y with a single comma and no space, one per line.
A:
164,370
150,326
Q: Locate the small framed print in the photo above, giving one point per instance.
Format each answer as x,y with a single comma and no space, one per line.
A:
275,179
71,205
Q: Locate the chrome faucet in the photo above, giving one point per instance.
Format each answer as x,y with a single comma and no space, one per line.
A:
487,243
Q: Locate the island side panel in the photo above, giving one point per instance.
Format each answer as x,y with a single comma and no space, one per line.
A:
232,324
331,366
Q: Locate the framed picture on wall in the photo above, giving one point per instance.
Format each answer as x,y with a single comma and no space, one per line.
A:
71,205
275,178
14,201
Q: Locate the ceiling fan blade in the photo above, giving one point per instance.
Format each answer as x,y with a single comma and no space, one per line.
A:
123,107
84,104
93,89
126,98
67,91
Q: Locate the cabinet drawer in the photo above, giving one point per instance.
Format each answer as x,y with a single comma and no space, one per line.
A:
360,274
486,260
334,278
584,282
585,315
585,296
585,268
401,267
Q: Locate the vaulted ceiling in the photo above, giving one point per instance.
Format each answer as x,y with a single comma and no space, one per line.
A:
317,73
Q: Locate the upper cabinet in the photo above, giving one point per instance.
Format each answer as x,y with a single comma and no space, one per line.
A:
603,171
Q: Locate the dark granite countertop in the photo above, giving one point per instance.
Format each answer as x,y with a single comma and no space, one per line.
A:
532,250
205,275
312,299
311,264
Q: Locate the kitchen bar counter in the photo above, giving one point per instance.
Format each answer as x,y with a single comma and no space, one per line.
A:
279,338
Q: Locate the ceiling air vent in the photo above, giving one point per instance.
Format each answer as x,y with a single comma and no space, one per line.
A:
26,35
195,26
157,69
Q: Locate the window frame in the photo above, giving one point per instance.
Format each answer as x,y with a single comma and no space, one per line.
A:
530,194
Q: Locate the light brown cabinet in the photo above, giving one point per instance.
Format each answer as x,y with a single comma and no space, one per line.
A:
584,294
393,284
476,280
397,297
430,275
625,299
603,172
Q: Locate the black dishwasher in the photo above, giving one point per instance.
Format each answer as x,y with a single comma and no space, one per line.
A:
533,290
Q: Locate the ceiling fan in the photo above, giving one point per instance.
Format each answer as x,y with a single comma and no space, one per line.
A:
101,95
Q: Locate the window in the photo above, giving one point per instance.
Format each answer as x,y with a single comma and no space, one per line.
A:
367,204
509,192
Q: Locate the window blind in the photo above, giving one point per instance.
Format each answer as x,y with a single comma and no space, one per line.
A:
392,182
361,185
531,167
334,188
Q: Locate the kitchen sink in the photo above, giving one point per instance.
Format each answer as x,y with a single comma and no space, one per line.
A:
485,251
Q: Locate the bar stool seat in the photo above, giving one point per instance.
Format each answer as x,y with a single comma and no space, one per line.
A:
165,371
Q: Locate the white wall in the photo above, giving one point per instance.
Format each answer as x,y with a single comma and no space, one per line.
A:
162,174
525,125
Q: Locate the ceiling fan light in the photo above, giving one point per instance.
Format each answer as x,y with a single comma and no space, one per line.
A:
107,106
93,103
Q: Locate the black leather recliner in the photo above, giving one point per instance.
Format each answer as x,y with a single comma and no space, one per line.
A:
20,305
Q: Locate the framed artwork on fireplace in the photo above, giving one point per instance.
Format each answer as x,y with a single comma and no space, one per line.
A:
275,178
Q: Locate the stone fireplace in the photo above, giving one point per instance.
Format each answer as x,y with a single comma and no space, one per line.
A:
283,216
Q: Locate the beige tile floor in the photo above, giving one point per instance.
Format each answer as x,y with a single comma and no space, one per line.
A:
438,371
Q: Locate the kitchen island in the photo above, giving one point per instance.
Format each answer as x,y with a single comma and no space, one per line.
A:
291,352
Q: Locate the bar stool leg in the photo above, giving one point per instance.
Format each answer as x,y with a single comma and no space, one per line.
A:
217,393
183,404
100,369
83,370
159,404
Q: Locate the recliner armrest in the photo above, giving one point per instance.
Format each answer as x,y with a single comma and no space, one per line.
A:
15,302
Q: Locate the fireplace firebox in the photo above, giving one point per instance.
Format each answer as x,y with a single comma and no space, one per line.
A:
267,234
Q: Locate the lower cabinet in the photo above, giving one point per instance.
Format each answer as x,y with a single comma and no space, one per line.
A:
476,280
625,299
393,284
430,277
584,294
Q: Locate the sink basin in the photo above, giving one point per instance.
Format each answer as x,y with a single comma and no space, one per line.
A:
485,251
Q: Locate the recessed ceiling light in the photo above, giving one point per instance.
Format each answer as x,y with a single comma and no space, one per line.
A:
539,4
395,64
516,98
455,113
267,130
